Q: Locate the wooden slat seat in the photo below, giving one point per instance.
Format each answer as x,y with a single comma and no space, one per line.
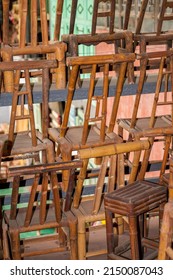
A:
132,201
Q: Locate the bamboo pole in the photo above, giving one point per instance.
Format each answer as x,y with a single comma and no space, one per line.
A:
113,149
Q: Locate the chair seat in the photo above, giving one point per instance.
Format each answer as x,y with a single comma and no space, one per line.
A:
136,198
74,135
35,224
22,143
143,123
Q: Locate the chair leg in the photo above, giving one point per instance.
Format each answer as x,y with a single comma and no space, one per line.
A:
134,238
80,182
120,180
166,232
81,239
5,243
109,232
66,153
73,240
15,242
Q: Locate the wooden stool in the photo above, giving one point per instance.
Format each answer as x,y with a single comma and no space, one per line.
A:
132,201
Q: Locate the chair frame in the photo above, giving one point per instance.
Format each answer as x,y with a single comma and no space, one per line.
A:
12,227
90,209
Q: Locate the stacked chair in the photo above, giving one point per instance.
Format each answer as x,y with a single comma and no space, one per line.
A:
33,46
166,233
46,205
44,210
96,129
90,209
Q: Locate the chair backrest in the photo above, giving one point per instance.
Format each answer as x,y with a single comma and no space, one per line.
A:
74,41
25,95
94,94
109,13
59,10
5,27
109,161
163,15
166,233
151,134
165,71
24,12
44,192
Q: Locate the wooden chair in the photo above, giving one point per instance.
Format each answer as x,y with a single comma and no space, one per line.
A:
165,133
163,16
166,233
29,143
165,71
89,209
74,41
145,39
95,130
34,45
44,209
141,16
108,13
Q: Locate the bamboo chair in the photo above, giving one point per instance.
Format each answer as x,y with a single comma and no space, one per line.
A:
166,233
153,38
151,134
163,16
90,209
52,50
5,26
108,13
74,41
165,245
95,130
44,209
123,38
165,72
145,39
30,143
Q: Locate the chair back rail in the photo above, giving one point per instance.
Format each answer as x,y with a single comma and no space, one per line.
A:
44,181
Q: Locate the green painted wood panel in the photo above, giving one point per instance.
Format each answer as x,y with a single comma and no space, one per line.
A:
82,23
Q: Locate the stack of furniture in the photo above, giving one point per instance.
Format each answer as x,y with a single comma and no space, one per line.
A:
48,194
